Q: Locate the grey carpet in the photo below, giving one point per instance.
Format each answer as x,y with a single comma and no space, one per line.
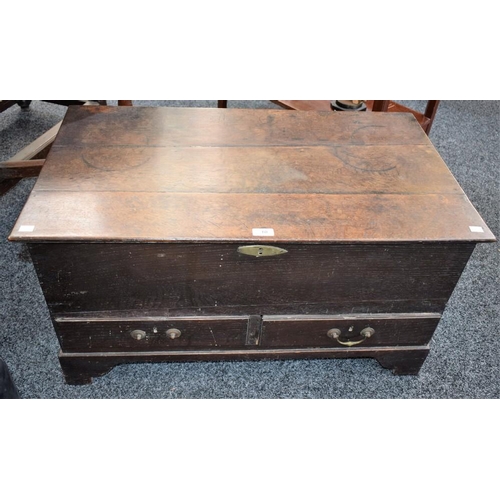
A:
464,361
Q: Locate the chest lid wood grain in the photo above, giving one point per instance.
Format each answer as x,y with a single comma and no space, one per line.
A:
216,175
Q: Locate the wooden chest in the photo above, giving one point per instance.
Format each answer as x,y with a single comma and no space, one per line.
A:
167,234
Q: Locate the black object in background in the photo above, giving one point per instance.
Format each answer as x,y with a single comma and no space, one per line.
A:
7,388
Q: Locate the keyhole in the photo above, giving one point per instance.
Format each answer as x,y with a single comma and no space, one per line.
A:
261,252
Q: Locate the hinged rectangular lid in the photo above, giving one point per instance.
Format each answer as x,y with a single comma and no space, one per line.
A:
189,174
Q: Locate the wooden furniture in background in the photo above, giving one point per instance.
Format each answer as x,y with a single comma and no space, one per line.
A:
26,163
217,234
4,105
20,169
26,104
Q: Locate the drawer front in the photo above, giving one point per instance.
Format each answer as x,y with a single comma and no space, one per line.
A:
151,334
343,331
215,279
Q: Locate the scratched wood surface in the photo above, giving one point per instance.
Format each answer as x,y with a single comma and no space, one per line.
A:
325,170
217,279
194,127
307,331
173,174
115,335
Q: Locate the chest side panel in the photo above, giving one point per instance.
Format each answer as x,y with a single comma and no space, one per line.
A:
209,279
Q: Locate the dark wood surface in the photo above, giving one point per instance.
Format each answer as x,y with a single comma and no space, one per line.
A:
157,174
218,280
311,331
114,335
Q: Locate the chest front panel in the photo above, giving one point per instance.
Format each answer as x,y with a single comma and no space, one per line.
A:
180,278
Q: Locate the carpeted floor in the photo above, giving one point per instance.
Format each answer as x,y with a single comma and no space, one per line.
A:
464,361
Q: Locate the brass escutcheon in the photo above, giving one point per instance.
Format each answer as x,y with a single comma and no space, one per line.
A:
261,250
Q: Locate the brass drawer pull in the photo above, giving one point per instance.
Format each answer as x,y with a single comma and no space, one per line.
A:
335,334
261,250
173,333
138,334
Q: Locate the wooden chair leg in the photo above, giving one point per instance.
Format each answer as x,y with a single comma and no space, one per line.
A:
20,169
381,106
222,104
38,149
430,112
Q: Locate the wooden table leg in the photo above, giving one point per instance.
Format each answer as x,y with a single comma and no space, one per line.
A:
430,114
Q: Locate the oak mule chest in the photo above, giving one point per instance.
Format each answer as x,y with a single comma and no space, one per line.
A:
170,234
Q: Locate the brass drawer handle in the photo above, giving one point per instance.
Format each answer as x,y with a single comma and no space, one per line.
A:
173,333
261,250
138,334
335,334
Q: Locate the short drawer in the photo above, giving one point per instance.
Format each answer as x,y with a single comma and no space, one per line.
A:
348,331
151,334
